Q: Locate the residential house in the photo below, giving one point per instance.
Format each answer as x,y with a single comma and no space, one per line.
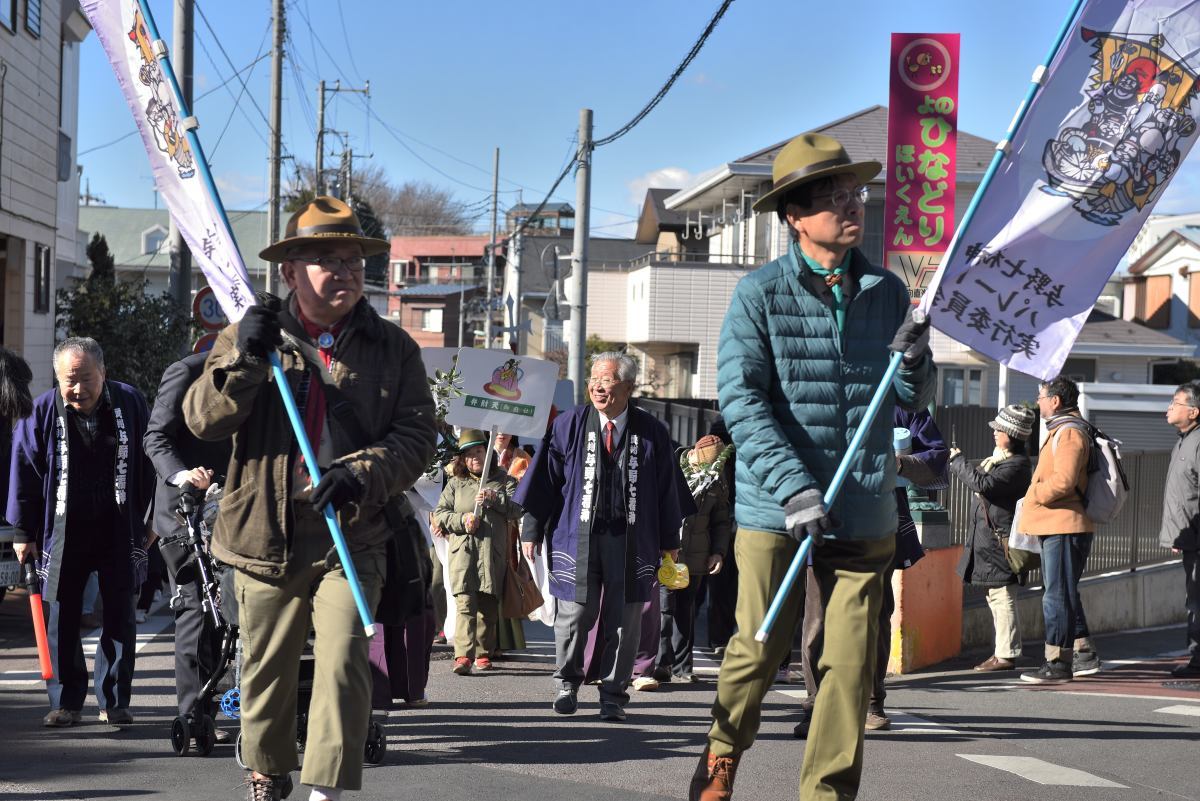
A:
1162,286
554,219
436,315
137,239
435,287
39,178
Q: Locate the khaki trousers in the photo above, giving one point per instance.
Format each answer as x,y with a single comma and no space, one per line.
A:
1003,603
475,632
275,617
833,753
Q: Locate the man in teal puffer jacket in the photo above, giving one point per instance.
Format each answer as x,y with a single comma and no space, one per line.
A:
804,345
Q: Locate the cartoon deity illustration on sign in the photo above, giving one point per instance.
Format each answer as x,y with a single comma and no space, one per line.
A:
160,109
506,381
1116,154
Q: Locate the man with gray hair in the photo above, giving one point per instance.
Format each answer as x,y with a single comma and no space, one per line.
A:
1181,512
608,498
80,486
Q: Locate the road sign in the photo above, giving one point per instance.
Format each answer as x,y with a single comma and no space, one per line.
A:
207,310
205,343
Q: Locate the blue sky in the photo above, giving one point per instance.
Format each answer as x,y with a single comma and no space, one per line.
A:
451,81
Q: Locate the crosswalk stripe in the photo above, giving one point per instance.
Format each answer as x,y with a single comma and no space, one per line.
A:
1041,771
32,679
1192,710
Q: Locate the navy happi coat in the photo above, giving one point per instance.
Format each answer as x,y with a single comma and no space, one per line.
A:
552,491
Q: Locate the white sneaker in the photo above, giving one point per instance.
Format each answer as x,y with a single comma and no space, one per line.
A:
645,683
140,616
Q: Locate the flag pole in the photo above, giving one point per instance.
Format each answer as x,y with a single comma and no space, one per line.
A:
921,313
289,402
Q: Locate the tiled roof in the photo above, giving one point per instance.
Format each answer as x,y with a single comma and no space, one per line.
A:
435,290
413,247
1104,329
603,254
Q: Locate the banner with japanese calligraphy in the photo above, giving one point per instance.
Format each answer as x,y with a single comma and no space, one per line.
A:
918,207
512,393
1101,141
128,36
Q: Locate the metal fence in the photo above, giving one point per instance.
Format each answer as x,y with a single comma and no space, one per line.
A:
1128,542
687,419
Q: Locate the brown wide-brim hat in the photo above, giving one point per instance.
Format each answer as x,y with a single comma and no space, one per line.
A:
323,220
806,158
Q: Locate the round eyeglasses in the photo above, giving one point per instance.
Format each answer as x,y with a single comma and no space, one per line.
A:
841,197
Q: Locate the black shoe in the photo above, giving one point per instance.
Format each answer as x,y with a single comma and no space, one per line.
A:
801,730
268,788
1085,663
611,710
1188,670
1051,672
661,675
565,703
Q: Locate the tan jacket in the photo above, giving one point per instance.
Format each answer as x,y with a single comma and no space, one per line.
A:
477,561
378,370
1054,502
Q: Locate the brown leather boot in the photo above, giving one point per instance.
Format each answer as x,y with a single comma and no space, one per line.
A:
713,779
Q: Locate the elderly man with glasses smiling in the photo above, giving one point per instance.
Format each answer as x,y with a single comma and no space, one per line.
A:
608,497
360,384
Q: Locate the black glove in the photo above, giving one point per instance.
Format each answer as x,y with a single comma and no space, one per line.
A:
338,487
912,339
807,517
258,331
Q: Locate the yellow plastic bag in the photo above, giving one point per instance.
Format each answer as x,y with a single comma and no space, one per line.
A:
673,576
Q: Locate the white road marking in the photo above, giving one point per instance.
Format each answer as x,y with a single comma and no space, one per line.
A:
32,679
1192,710
1040,771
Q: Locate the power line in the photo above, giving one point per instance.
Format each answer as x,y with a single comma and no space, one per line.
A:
221,47
238,99
346,39
216,88
683,65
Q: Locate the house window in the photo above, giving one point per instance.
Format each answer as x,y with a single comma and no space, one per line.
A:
399,269
41,279
431,320
1152,301
33,17
1079,370
962,386
152,240
8,14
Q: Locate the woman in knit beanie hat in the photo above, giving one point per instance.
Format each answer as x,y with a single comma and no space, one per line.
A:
997,483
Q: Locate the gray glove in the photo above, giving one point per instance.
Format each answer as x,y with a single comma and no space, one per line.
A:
912,339
806,517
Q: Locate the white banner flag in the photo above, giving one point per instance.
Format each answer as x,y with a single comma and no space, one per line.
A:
128,35
512,393
1101,141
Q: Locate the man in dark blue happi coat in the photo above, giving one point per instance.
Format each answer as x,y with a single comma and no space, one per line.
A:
79,490
606,492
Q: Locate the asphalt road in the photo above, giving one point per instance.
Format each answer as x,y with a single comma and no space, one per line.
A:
956,734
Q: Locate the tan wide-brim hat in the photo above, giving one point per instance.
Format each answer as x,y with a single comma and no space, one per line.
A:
323,219
807,157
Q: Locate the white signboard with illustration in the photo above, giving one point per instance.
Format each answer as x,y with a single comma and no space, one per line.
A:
503,392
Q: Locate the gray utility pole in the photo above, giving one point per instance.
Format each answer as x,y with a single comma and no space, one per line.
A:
577,355
320,163
491,264
516,337
273,208
322,91
179,280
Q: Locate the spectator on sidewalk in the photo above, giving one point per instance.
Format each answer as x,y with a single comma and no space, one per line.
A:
1181,512
996,484
720,590
80,489
1053,511
510,634
475,514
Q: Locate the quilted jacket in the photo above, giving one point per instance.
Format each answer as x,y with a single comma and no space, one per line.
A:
793,391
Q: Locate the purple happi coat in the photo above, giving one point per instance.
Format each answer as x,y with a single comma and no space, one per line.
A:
37,479
552,490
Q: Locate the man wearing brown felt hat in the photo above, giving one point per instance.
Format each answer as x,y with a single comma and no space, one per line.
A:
804,346
360,387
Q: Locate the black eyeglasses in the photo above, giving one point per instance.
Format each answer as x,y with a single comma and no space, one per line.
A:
332,264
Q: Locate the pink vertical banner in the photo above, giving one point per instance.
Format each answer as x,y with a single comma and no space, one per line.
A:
918,221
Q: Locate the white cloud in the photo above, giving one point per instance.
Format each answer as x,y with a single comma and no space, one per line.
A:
664,178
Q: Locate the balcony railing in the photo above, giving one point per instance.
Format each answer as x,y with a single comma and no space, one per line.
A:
696,257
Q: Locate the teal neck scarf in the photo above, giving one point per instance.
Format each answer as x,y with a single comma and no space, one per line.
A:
833,279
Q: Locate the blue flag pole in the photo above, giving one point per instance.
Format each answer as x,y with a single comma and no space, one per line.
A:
889,375
285,389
